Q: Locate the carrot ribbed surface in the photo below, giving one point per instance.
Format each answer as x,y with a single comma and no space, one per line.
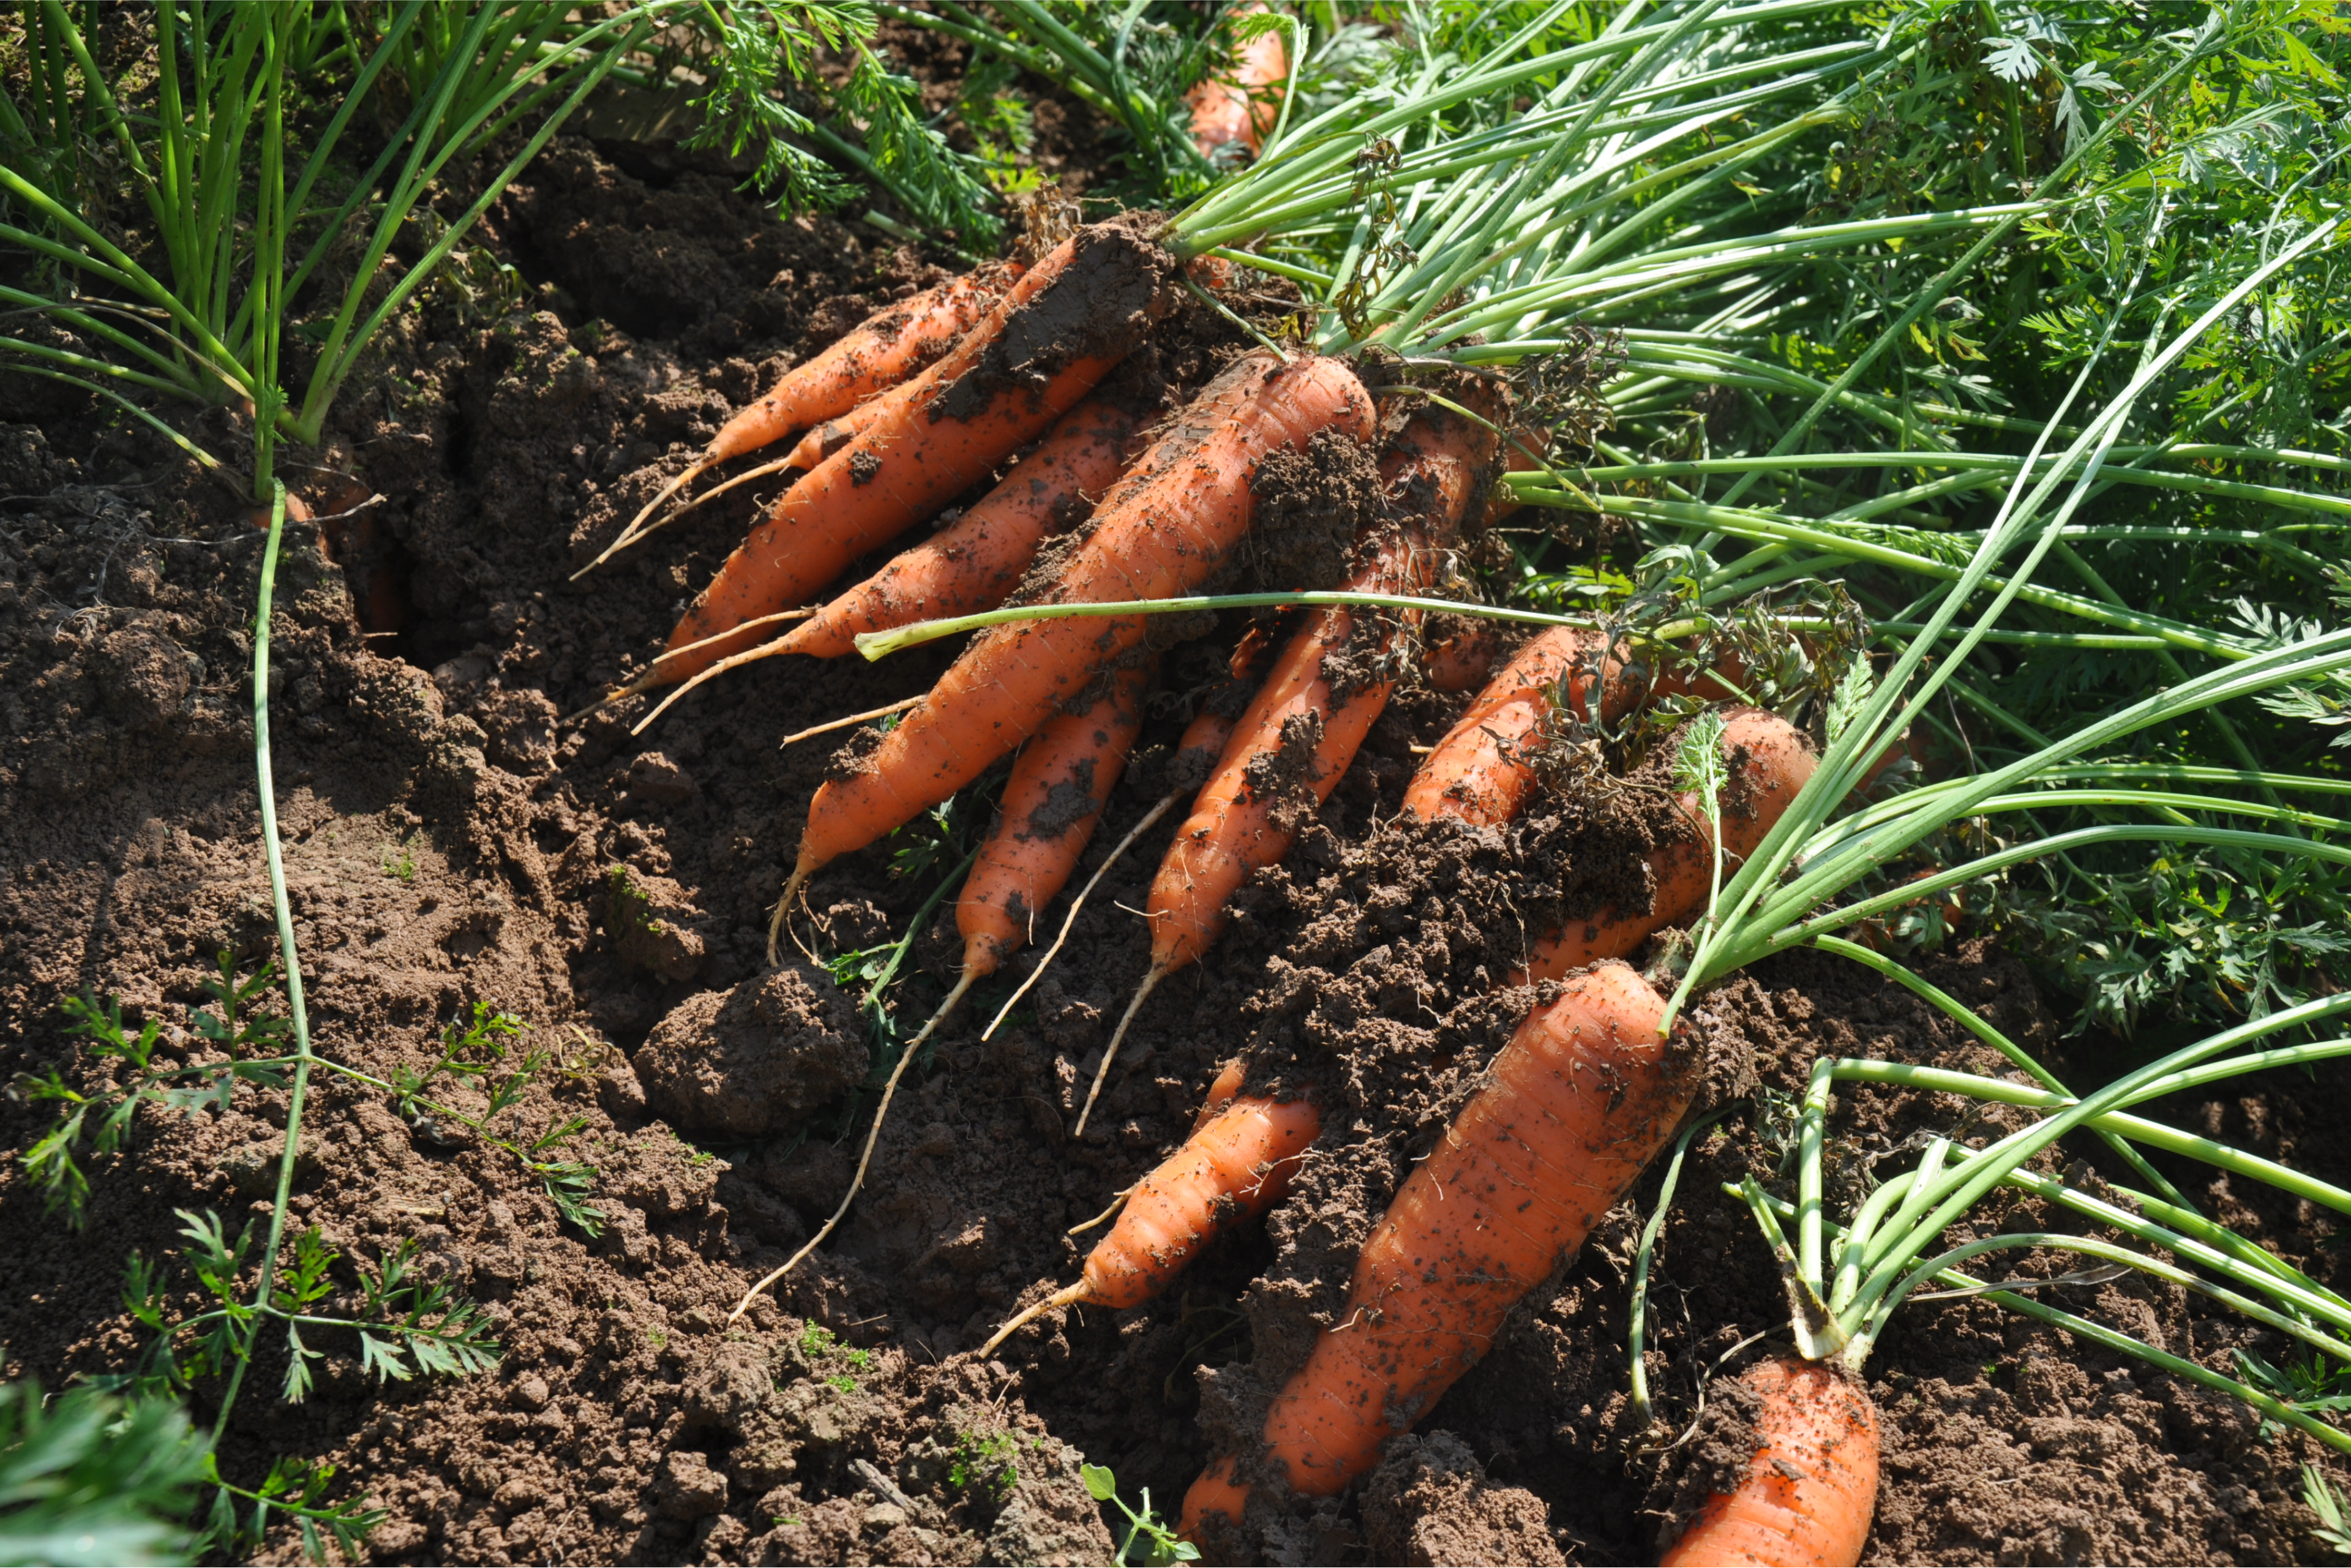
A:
1810,1487
1247,1154
1050,807
976,561
1167,528
1572,1109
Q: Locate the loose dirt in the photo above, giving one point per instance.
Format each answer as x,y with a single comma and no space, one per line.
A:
449,841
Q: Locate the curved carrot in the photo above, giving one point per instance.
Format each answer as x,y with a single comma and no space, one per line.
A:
1046,344
1051,806
1572,1110
878,353
1236,109
1230,1170
977,562
1223,1089
1769,760
1810,1484
1166,528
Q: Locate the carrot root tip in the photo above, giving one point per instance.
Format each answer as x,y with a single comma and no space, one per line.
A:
1110,1052
1068,1295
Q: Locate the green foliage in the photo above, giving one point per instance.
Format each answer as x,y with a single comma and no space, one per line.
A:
985,1464
474,1053
2318,1494
90,1477
1161,1544
764,83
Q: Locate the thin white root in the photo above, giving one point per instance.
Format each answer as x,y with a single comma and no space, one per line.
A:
768,649
783,908
1115,1205
745,478
630,535
1110,1054
656,672
1076,903
1069,1295
854,718
880,1114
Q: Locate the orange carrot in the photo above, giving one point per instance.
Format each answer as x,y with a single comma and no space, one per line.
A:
977,562
1230,1170
1238,825
1167,528
1463,660
1046,344
1521,454
878,353
1238,110
1478,773
1769,762
1050,805
1810,1484
1572,1110
1223,1089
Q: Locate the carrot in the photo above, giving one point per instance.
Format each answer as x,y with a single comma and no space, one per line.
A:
1223,1089
1810,1484
1521,454
1033,849
1464,660
1572,1110
1237,110
1167,528
1232,1169
1050,805
1238,825
976,563
1478,774
881,352
1046,344
1769,762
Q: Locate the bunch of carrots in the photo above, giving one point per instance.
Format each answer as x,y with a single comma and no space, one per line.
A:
931,400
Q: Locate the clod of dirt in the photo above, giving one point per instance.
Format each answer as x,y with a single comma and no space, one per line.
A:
1429,1504
252,1169
647,918
1311,507
739,1062
1116,283
1714,1460
144,675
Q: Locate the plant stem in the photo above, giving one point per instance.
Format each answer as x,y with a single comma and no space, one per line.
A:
267,786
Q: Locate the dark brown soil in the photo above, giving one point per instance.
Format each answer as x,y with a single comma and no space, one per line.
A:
450,841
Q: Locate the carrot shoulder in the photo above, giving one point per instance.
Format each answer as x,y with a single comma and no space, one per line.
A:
1810,1484
976,563
1167,528
1041,350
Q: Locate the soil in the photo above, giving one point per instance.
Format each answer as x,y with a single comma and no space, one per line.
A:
450,841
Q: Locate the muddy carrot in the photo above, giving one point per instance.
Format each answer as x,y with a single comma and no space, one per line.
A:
1479,772
881,352
1767,762
1050,805
1237,110
1234,1166
1170,524
977,562
1042,349
1810,1484
1572,1110
1248,813
1521,454
1463,660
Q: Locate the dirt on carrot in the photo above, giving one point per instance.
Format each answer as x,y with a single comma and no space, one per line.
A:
450,842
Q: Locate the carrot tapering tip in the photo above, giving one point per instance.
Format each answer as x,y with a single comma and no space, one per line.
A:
1109,1054
630,535
1068,1295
